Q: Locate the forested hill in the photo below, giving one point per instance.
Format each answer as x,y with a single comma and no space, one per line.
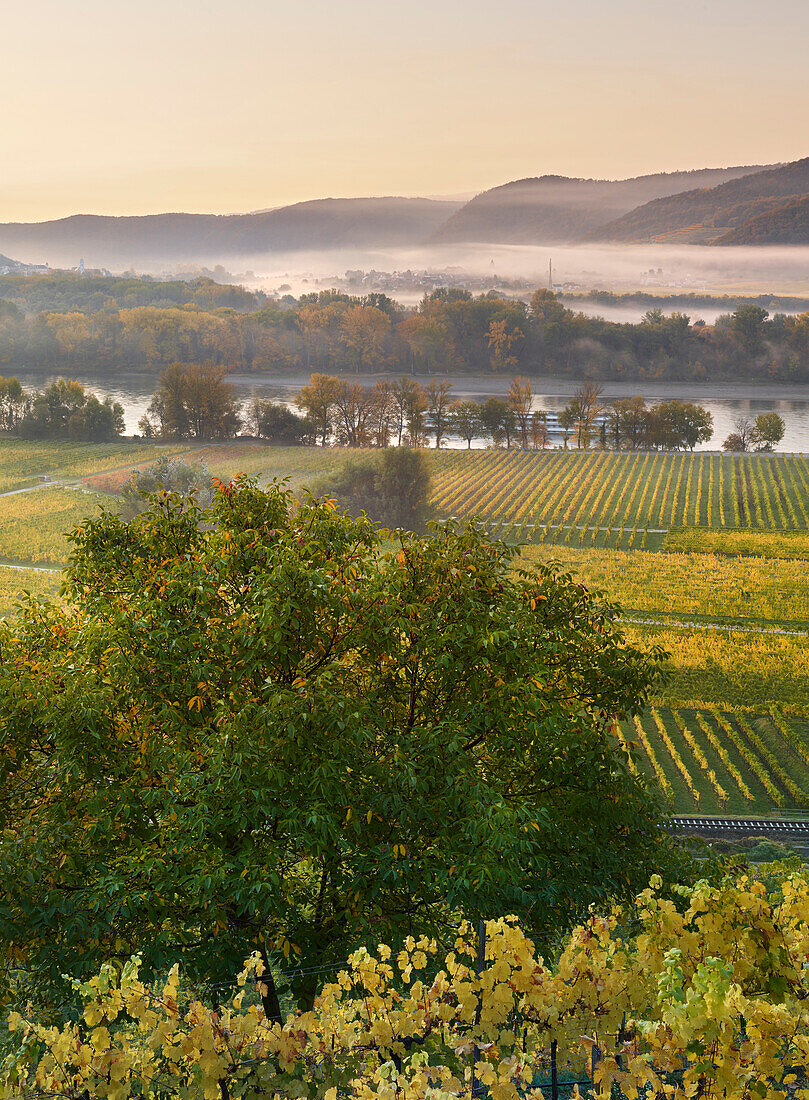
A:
156,238
702,216
557,209
784,224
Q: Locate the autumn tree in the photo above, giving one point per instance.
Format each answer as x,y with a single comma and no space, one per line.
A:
353,403
743,437
584,409
318,399
258,728
363,330
520,400
540,436
192,401
410,406
501,340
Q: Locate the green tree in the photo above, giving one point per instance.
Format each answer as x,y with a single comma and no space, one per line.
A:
498,420
66,411
466,419
12,403
768,430
679,425
629,422
391,487
438,407
275,422
747,325
170,475
259,728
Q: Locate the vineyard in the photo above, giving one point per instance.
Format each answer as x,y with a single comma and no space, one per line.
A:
32,525
22,464
715,760
622,500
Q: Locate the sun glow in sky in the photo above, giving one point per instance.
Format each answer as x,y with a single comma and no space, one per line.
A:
133,108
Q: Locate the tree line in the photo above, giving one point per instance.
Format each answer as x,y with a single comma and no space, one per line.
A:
198,403
63,410
449,331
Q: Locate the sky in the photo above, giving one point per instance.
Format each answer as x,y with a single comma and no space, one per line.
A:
111,107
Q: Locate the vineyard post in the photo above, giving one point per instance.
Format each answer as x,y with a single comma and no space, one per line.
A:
480,962
554,1072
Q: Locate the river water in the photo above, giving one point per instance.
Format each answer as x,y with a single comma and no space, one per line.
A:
726,402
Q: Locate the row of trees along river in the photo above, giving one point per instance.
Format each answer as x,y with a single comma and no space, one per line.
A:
196,401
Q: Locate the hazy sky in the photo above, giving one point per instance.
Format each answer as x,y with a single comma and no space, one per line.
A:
131,108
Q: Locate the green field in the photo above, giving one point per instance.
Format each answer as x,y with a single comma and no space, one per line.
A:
706,554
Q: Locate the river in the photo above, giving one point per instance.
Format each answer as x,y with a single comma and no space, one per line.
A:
726,402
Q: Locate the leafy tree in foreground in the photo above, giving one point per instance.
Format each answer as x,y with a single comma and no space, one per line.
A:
258,729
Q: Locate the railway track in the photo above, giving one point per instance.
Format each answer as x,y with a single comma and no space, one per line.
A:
776,828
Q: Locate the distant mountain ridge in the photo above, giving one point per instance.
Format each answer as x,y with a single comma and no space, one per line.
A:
750,204
560,209
704,215
154,238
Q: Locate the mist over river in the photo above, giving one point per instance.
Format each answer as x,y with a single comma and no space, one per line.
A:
725,401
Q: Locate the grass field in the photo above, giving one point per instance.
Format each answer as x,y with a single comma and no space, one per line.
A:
700,587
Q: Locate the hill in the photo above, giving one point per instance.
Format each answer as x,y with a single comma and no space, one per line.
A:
169,238
558,209
703,215
787,223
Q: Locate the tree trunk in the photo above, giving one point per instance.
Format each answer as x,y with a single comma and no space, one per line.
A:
269,999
